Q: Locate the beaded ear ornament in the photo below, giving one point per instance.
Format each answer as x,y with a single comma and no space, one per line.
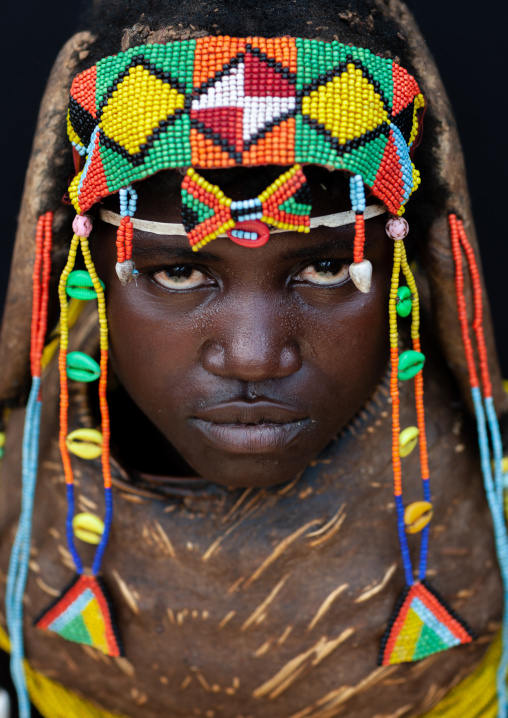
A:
83,612
422,622
215,103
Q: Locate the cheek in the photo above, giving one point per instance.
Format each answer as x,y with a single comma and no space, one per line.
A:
152,350
348,349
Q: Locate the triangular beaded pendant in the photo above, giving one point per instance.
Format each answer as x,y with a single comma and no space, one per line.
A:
421,624
83,614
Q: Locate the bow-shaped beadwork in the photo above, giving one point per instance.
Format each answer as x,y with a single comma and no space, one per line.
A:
208,213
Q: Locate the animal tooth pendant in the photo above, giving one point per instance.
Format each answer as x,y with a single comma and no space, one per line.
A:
125,271
361,275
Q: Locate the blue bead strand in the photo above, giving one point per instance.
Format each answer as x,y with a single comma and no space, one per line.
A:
501,536
20,555
404,548
108,518
424,541
500,533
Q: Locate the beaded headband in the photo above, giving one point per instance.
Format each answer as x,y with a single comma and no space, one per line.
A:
219,102
338,219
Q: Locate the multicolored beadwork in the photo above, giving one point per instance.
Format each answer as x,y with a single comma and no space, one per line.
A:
207,212
218,102
421,624
489,434
20,555
125,267
83,614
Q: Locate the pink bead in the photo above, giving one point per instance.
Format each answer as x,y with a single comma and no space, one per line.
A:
82,225
397,228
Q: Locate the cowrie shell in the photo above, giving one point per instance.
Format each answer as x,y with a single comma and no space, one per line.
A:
79,285
81,367
408,440
417,515
85,443
88,528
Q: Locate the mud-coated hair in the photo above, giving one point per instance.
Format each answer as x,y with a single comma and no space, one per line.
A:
356,22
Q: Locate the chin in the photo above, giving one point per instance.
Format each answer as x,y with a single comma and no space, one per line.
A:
250,472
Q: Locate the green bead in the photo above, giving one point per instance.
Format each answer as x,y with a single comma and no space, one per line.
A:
81,367
410,363
404,302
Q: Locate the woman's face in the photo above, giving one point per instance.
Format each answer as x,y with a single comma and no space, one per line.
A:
247,360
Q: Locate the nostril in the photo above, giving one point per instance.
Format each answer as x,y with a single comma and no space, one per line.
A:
214,358
290,359
251,361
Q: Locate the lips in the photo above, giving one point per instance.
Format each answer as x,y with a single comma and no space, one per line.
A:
243,428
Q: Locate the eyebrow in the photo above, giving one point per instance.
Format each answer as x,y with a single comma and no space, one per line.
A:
144,251
337,243
147,251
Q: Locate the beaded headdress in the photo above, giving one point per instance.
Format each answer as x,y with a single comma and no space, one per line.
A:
220,102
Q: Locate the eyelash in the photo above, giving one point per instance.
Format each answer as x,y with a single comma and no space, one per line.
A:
327,267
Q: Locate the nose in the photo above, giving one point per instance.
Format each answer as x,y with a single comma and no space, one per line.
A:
252,341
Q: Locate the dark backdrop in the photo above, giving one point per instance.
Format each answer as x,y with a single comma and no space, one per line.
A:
468,41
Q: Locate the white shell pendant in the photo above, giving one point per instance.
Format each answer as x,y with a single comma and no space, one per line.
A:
361,274
125,270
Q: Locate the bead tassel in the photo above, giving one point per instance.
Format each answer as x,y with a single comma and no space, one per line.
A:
84,604
420,410
422,623
394,394
18,565
486,422
64,398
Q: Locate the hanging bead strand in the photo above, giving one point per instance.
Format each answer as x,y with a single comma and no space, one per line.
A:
103,403
64,399
420,410
20,555
360,270
486,420
394,393
125,267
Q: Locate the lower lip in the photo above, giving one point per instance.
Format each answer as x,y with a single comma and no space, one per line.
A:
250,438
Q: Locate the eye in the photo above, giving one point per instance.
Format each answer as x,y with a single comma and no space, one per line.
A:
324,273
181,276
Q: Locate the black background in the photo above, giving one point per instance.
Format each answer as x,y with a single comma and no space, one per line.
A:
469,43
